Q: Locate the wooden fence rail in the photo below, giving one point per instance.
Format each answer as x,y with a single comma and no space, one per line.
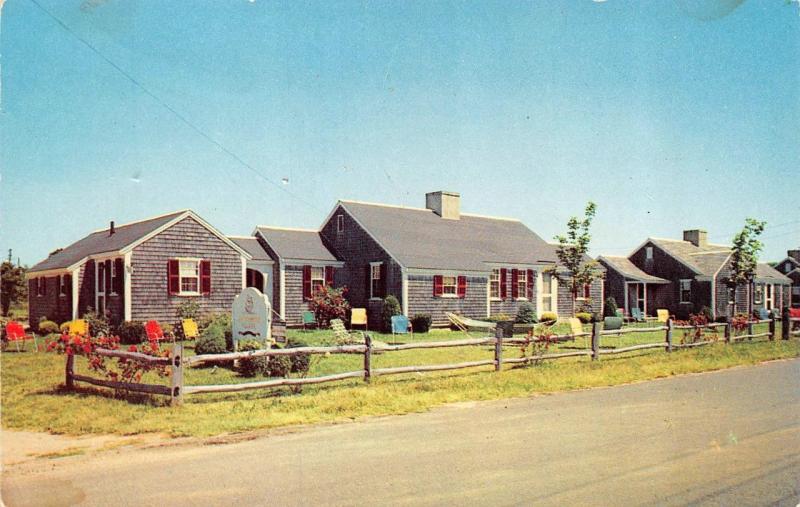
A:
177,363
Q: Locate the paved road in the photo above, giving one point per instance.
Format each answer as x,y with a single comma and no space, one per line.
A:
726,438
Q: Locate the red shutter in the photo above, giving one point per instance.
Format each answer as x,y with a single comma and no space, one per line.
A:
306,282
118,276
68,284
205,277
514,284
108,277
530,284
437,285
368,282
587,291
173,280
383,280
461,288
503,283
329,276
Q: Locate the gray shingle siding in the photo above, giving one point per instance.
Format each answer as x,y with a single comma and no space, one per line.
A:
51,305
86,288
187,238
421,299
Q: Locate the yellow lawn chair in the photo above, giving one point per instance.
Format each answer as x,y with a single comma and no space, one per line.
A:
358,317
79,326
190,331
576,328
662,315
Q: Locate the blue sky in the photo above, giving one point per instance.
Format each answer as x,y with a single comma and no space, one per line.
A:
669,115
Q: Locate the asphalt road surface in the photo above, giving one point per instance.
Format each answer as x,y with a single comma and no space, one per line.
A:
725,438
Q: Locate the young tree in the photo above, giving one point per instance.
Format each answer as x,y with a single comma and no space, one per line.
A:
574,271
14,287
744,259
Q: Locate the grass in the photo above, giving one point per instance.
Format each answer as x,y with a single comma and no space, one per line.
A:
33,398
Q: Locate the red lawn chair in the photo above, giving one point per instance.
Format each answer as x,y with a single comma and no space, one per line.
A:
154,331
16,333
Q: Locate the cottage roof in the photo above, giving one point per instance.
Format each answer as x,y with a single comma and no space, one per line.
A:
102,241
296,244
419,238
703,260
629,270
251,245
768,274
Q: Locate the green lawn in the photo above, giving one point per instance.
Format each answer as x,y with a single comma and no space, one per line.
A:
34,400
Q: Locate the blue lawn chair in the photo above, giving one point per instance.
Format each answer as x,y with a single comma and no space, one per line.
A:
637,314
401,325
763,314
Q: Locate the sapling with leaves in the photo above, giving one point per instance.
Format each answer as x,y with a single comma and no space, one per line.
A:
744,259
575,270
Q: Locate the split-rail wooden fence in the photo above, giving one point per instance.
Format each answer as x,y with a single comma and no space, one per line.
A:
177,362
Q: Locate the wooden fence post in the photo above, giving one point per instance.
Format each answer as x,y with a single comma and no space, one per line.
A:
772,328
595,341
728,332
367,358
176,374
786,325
498,348
69,371
750,328
669,334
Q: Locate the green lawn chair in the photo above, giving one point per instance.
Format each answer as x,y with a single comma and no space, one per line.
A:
340,332
309,319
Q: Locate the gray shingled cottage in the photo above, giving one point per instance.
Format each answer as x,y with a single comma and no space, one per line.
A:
790,266
139,271
686,275
433,260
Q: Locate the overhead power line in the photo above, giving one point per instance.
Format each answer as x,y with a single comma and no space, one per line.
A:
171,109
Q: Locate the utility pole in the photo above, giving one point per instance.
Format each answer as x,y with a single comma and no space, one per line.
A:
9,256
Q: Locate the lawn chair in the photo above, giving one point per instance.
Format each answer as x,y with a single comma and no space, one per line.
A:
339,332
309,319
154,331
662,315
79,326
190,331
358,317
401,325
16,333
637,315
576,328
465,324
763,314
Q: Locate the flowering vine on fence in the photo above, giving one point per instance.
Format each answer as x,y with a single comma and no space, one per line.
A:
122,369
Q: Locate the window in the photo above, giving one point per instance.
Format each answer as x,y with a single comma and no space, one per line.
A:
649,253
116,276
686,291
375,280
449,285
189,274
41,286
494,284
796,290
548,291
587,291
63,285
254,278
768,296
759,295
317,278
522,283
101,277
339,223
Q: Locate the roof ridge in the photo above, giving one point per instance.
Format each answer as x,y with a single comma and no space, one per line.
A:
278,228
234,236
475,215
709,252
383,205
176,212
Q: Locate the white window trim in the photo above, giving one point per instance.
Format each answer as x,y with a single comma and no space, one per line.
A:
372,266
181,292
680,291
61,287
340,223
114,276
454,285
40,285
525,290
648,253
499,281
322,278
540,294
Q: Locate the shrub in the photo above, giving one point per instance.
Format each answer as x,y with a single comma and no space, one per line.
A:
610,309
98,325
64,328
683,312
211,340
189,309
131,332
48,327
328,303
421,322
548,318
391,307
706,311
584,317
221,323
279,366
526,314
252,366
300,362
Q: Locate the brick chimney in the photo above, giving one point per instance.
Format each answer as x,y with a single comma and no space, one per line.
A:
697,237
445,204
794,254
111,229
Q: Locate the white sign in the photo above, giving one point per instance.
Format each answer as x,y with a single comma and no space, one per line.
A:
252,316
